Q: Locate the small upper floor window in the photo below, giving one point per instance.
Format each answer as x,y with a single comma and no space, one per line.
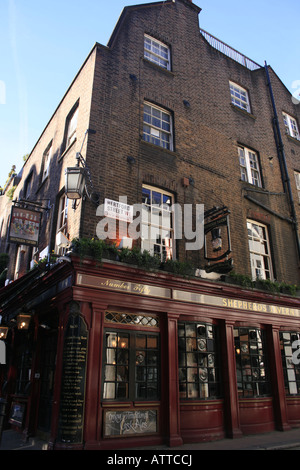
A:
291,126
297,178
46,161
157,127
61,225
260,254
28,186
158,223
249,165
70,127
157,52
239,97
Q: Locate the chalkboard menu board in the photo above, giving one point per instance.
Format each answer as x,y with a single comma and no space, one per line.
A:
73,381
130,422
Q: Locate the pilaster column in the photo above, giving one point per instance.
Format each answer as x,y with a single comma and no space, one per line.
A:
173,383
277,379
231,402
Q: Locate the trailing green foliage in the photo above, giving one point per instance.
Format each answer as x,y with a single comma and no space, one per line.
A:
274,287
99,250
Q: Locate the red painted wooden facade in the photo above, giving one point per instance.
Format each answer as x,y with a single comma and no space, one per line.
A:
115,287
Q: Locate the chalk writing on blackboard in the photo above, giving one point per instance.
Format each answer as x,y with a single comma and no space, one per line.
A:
128,423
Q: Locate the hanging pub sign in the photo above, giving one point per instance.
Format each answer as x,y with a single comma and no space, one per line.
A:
217,240
24,226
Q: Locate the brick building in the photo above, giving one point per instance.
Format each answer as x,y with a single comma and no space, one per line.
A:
164,115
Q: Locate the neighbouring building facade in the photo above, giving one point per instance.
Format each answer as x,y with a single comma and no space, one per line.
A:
107,347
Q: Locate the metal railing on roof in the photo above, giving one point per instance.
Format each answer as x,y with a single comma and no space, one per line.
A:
229,51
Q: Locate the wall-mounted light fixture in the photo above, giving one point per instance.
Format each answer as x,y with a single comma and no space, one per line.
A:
76,178
23,321
3,332
130,160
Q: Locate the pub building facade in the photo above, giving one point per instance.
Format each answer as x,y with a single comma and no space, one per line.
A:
110,341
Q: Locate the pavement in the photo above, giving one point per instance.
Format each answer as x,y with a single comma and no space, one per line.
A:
276,440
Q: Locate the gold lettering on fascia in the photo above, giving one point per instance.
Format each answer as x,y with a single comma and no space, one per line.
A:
184,296
258,307
122,286
234,303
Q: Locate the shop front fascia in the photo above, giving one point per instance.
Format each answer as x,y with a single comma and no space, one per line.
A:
148,358
202,392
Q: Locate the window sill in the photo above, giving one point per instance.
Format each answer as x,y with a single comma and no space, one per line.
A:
66,150
245,113
158,67
42,184
293,139
253,187
158,148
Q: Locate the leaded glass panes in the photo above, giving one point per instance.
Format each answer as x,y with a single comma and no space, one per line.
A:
199,373
131,366
251,362
289,346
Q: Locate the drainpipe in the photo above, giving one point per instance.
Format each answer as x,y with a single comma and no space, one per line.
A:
282,162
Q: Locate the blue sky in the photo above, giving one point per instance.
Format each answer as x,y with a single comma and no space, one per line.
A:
44,43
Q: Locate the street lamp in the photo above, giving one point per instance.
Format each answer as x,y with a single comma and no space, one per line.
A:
76,178
75,182
23,320
3,332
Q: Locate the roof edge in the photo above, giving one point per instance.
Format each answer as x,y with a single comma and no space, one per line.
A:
127,9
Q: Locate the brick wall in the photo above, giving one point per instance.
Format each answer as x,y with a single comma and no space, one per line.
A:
111,88
47,192
206,133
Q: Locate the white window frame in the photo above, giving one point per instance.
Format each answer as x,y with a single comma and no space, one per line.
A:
157,52
259,248
158,222
249,166
158,126
297,179
291,126
46,161
239,97
62,221
71,127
